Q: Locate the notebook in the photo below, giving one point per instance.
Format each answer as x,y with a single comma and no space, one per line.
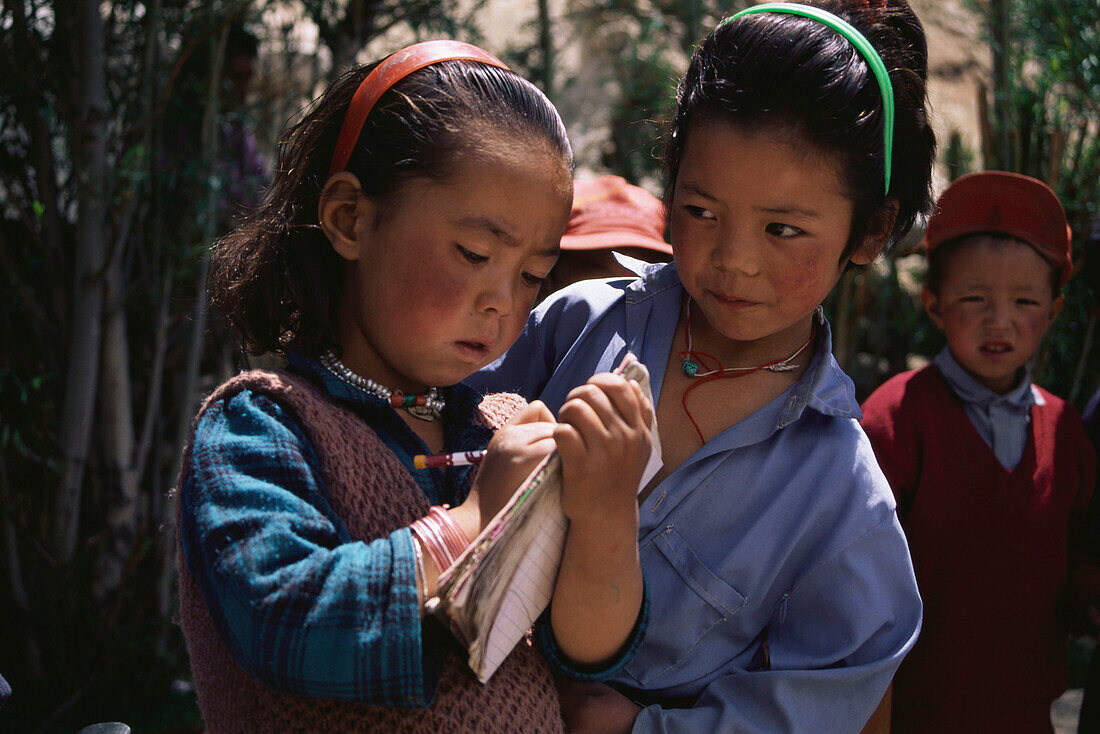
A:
494,591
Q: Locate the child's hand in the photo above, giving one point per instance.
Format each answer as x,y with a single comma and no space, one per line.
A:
512,455
604,441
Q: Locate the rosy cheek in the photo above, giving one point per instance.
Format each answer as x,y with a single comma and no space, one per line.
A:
809,275
435,294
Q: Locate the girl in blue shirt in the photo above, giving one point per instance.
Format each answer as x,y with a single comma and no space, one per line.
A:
783,595
417,208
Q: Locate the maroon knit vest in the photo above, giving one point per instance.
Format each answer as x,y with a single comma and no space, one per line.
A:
374,495
990,550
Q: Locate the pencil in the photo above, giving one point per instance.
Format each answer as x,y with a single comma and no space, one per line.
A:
461,458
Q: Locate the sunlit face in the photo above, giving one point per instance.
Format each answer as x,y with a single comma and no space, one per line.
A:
446,276
758,229
994,305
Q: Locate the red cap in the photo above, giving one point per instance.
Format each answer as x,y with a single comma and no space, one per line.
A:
608,212
1008,203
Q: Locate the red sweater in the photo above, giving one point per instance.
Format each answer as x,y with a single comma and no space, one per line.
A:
991,552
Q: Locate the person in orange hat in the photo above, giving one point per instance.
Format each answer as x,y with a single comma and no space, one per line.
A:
992,474
609,215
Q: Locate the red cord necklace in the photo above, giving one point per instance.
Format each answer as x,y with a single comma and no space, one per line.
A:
692,359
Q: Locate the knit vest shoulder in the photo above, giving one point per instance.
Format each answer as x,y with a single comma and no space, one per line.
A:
374,495
990,550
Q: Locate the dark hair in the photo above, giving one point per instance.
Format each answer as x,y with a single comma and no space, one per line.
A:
796,76
276,278
942,254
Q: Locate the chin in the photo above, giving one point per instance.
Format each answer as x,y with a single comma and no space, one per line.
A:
455,376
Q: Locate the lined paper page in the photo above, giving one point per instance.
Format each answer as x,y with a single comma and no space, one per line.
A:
528,594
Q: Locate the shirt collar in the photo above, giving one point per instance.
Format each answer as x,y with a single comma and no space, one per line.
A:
824,387
653,278
1021,397
641,268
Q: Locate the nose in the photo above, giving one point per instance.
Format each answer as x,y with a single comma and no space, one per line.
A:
736,251
498,297
998,314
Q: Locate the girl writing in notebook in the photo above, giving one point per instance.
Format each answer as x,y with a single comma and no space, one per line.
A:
783,595
417,207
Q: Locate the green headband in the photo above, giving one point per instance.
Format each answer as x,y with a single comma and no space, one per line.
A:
862,45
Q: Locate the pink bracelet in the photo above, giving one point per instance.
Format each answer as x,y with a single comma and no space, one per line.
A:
454,535
441,537
432,543
421,576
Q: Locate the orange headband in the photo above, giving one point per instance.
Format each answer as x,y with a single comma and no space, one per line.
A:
390,71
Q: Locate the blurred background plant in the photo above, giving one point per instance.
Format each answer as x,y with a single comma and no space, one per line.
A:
133,132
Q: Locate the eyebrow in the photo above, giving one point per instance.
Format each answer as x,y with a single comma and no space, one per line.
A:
694,188
808,213
986,284
487,224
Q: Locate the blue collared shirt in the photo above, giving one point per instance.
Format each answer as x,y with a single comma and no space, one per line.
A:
782,595
1002,421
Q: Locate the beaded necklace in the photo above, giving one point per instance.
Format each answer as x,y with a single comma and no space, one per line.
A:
691,360
425,407
690,365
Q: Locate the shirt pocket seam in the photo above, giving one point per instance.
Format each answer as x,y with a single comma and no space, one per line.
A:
684,566
677,553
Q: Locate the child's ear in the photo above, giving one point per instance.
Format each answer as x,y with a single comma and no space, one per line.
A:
1056,308
878,233
340,211
932,307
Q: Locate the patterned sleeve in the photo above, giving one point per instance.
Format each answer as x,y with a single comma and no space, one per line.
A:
300,605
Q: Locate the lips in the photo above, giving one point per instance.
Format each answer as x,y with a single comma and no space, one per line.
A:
475,350
995,348
731,301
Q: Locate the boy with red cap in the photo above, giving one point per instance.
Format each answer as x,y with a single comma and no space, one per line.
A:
992,474
609,214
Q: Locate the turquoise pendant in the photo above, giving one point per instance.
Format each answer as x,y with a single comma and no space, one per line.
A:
689,367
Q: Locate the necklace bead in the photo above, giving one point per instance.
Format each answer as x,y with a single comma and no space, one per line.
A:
425,407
